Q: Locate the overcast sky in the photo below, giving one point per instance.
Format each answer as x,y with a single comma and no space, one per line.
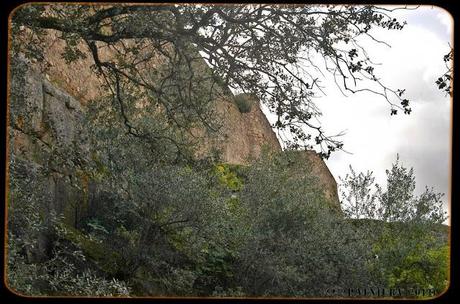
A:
422,139
414,62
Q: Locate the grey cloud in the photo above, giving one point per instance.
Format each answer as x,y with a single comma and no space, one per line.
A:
425,146
430,165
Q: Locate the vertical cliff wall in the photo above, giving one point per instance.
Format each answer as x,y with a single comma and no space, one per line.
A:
47,139
54,100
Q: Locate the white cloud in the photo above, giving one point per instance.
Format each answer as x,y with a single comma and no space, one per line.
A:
374,137
414,62
445,19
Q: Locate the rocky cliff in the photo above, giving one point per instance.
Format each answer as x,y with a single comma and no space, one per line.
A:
48,140
242,134
46,110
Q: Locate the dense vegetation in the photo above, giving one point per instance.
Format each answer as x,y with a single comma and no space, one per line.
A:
212,229
161,222
411,244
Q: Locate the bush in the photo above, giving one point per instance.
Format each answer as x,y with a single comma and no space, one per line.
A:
244,103
41,259
295,245
410,256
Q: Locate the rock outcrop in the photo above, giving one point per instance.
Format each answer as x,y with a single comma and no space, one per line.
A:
47,133
46,111
325,178
242,134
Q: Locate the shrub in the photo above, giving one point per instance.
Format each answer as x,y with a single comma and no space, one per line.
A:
244,103
295,246
41,259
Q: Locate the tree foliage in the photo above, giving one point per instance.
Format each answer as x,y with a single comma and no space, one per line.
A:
271,51
41,259
297,246
358,199
444,82
221,230
409,253
363,198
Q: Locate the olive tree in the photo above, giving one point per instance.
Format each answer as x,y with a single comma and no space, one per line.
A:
358,199
409,240
363,198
